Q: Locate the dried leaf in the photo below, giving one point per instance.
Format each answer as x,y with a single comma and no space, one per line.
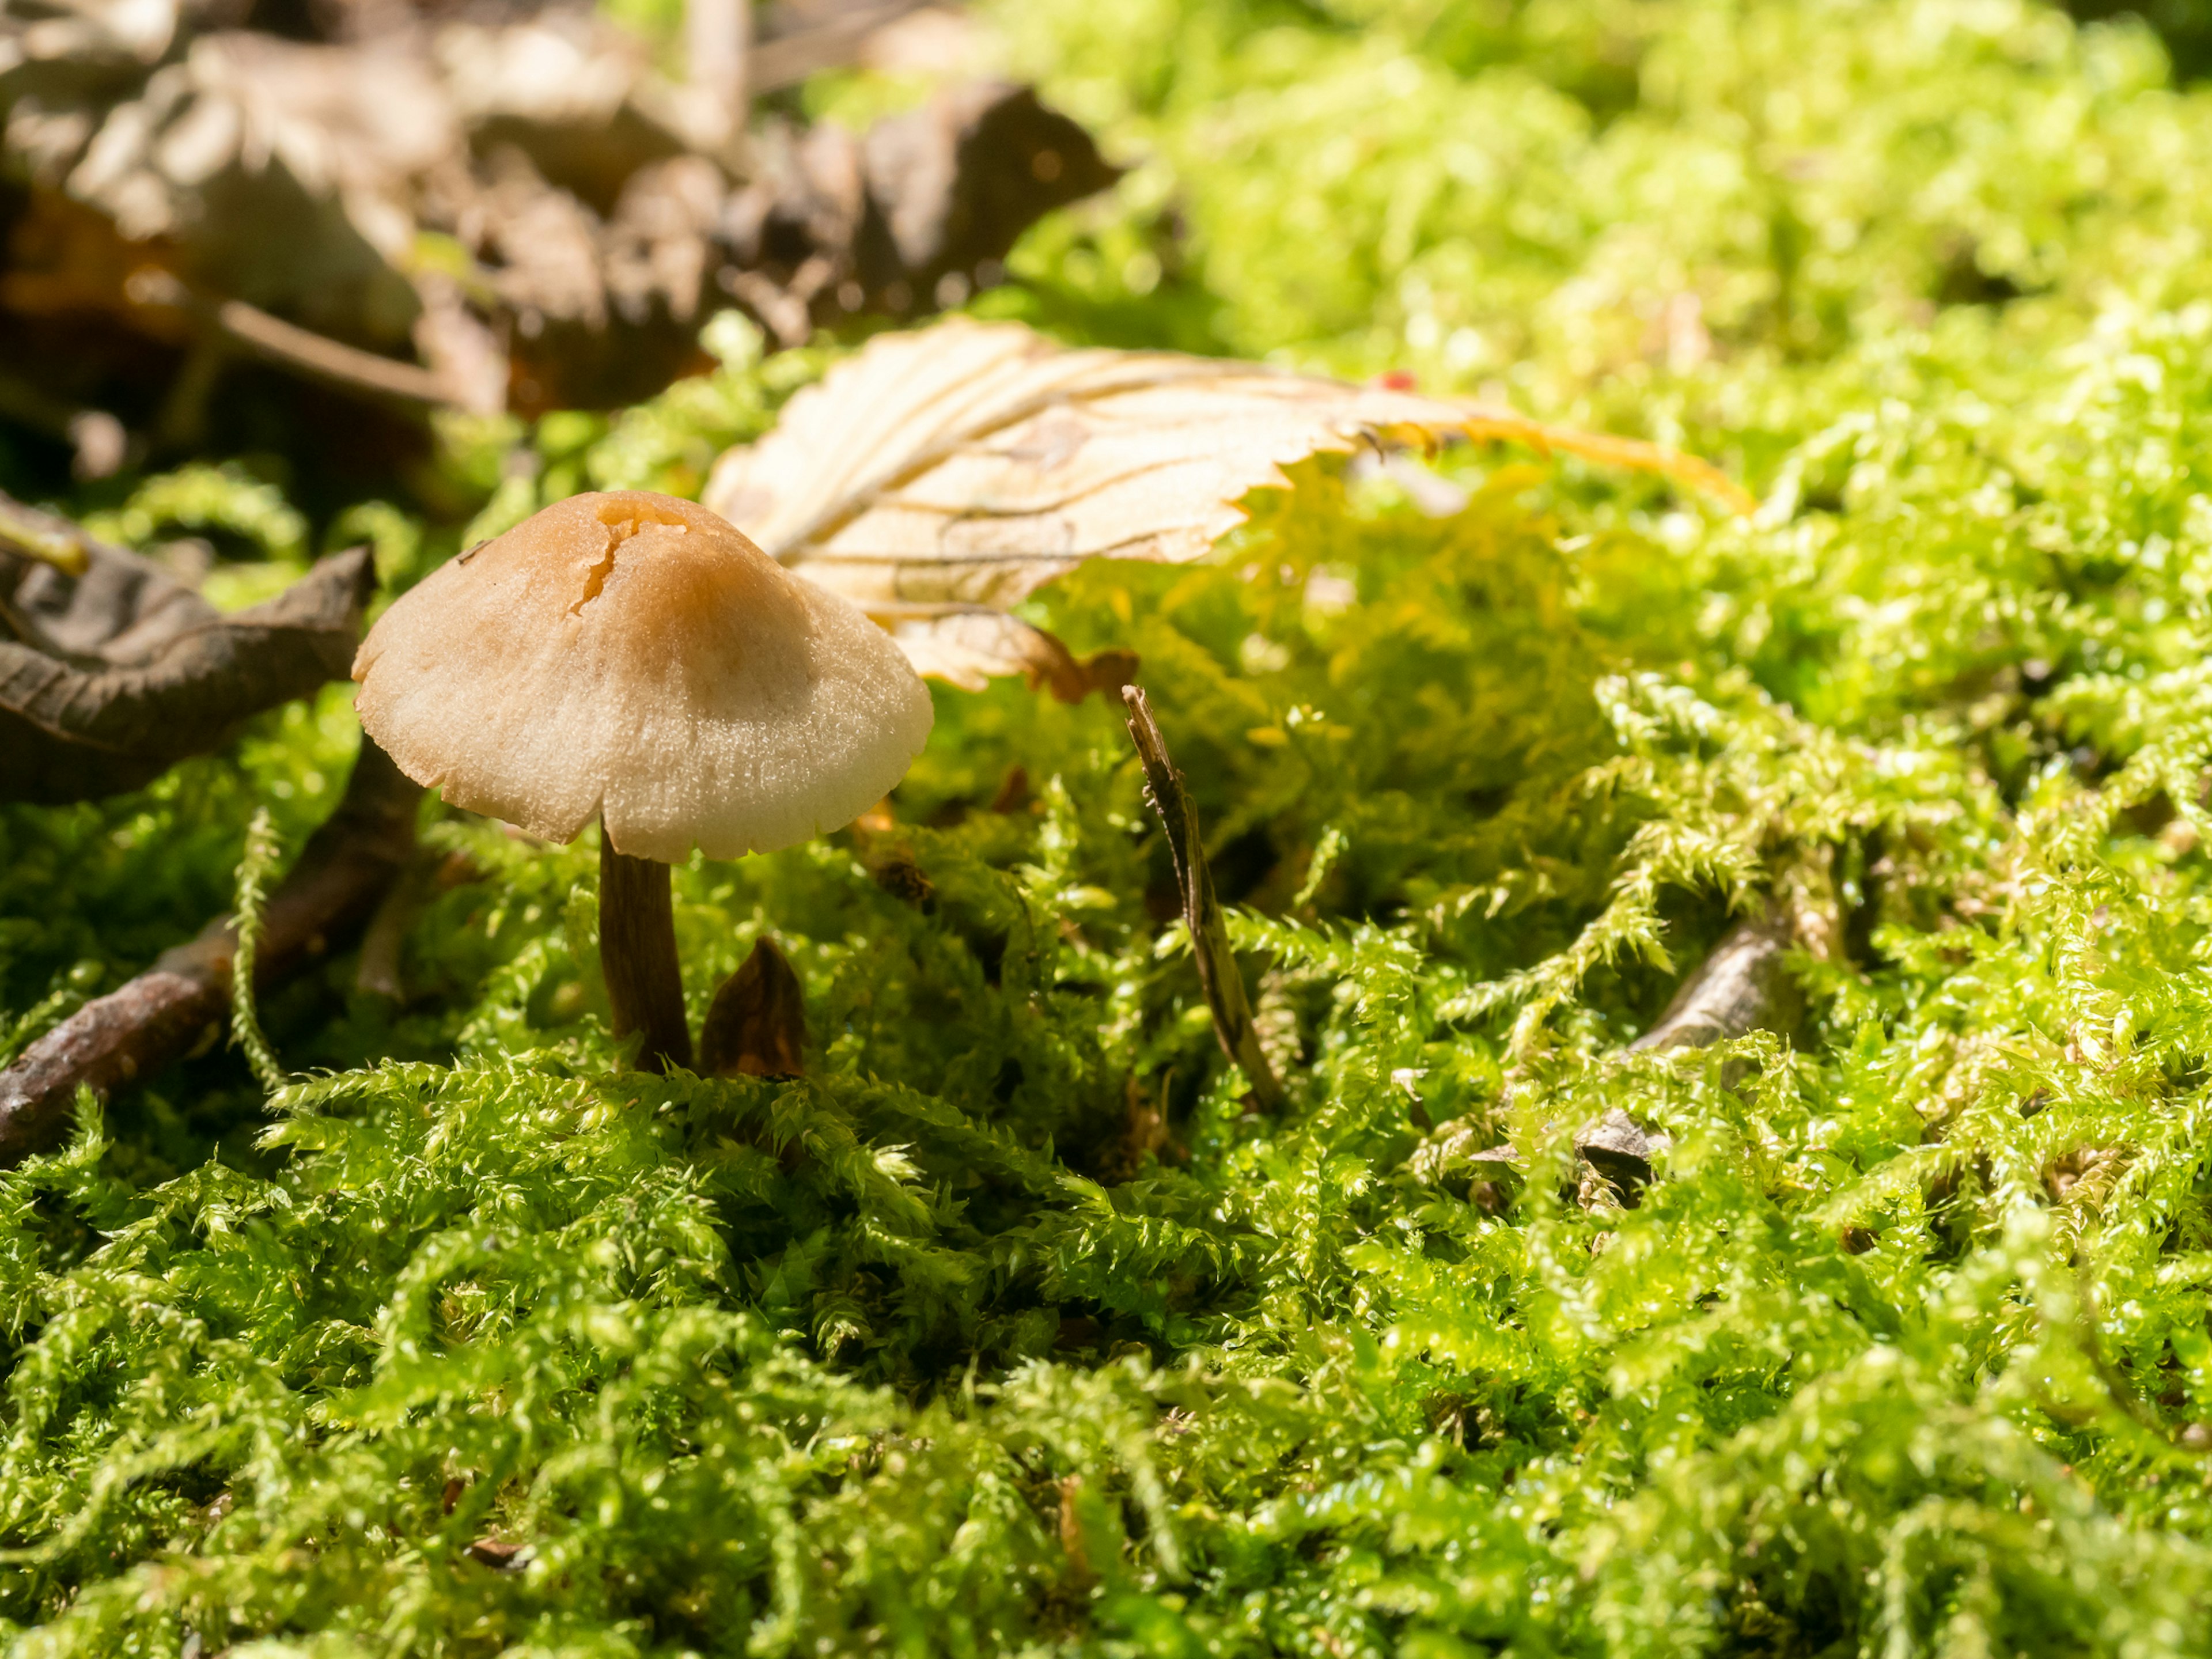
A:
108,679
970,649
913,215
1617,1148
282,170
1743,985
757,1024
951,472
533,187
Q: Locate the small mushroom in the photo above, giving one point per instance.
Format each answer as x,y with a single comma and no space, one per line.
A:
633,657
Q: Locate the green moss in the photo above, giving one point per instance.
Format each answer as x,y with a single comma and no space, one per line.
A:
1009,1329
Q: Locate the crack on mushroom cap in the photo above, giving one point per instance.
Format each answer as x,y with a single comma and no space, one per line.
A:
621,526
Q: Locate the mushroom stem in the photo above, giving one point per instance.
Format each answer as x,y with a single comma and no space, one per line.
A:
637,953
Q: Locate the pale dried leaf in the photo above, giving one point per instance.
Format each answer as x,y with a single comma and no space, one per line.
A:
970,648
957,469
249,148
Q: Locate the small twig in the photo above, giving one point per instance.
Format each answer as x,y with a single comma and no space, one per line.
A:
180,1002
788,59
1201,912
289,346
718,37
1741,988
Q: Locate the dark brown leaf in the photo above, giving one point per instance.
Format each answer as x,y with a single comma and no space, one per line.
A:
109,678
910,216
757,1024
233,193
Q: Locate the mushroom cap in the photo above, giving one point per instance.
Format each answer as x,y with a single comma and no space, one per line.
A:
634,656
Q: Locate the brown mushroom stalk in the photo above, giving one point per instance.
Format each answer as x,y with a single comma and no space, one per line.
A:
632,658
637,954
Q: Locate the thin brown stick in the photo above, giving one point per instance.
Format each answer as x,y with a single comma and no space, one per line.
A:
1743,987
1201,911
183,1000
637,954
289,346
718,37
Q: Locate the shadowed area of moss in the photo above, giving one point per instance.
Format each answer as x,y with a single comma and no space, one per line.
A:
1008,1329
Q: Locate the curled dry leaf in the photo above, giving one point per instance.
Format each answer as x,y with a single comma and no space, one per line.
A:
109,678
943,475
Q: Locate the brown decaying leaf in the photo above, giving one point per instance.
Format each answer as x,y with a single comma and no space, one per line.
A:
583,210
757,1024
908,217
946,474
1218,974
109,678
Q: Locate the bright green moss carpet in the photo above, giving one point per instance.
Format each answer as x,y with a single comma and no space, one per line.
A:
1007,1329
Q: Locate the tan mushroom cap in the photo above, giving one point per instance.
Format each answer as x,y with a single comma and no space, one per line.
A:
632,656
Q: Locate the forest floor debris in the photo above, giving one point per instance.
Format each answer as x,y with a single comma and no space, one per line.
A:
1006,1325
